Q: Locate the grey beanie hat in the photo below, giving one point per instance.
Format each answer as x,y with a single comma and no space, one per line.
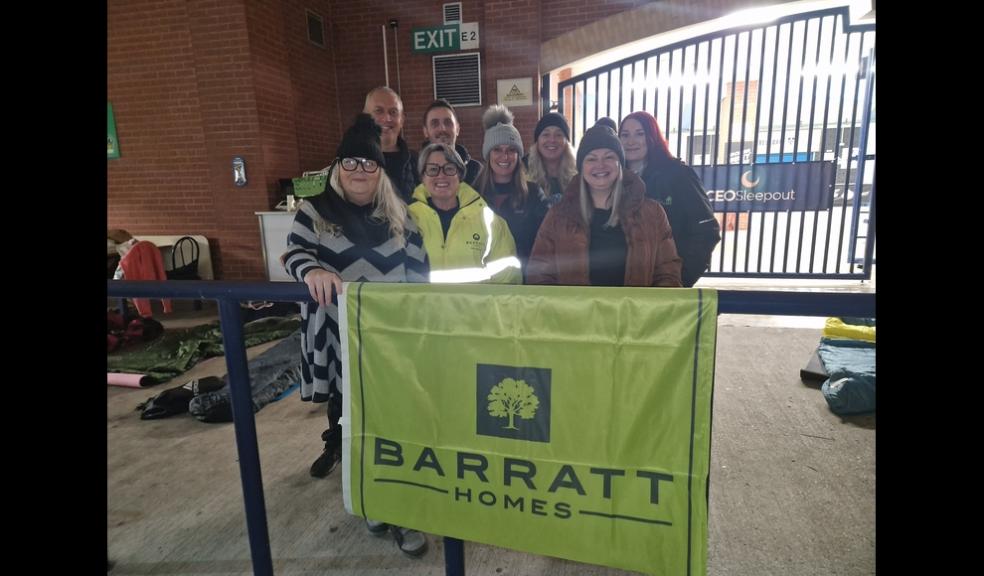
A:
599,136
499,130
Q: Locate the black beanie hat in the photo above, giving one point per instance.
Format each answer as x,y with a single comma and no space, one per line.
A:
599,136
361,140
552,119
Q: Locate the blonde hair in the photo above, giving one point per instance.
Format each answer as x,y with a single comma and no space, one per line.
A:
587,207
388,206
485,186
538,171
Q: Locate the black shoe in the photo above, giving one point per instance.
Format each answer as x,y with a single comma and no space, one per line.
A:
410,542
330,457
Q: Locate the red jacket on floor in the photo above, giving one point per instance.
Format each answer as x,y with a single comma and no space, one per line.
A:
144,262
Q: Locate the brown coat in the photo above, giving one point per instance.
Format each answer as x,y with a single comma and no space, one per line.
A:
560,253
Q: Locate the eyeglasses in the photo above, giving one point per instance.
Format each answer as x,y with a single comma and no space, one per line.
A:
448,169
368,166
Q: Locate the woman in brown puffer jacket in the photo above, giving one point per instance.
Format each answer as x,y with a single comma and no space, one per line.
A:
605,232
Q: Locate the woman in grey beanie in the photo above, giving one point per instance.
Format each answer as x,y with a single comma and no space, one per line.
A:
503,181
605,231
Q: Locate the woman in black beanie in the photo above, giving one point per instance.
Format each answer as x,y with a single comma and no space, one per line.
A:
551,159
357,230
604,232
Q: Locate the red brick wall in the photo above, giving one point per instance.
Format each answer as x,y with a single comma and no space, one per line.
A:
511,32
162,175
194,84
361,65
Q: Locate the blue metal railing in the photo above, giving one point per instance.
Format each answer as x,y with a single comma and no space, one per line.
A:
228,295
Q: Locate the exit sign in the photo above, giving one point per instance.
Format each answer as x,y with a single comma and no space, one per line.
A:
440,39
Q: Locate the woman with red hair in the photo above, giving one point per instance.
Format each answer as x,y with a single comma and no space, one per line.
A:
677,187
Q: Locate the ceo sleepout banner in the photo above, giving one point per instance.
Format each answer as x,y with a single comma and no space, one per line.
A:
566,421
768,187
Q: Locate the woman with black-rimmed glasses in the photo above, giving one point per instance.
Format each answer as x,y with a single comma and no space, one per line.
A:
464,239
357,230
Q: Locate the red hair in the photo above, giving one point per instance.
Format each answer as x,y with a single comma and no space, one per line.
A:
657,150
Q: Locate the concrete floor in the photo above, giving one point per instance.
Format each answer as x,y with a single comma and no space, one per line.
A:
792,485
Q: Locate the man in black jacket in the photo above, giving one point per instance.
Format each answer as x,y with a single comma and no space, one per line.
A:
386,108
441,125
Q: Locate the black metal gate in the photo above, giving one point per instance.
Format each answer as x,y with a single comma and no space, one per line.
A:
779,120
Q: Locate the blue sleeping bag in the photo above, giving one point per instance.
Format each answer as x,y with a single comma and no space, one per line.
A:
850,365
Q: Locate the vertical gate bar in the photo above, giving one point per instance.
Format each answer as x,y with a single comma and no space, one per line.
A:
645,83
799,111
683,65
850,151
823,138
727,153
782,144
608,94
597,95
862,142
632,88
693,108
837,152
656,65
768,136
758,121
741,139
717,144
669,96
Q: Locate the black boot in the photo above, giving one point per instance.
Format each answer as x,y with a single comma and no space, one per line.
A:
332,454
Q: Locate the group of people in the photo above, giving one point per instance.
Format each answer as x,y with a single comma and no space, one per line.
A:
622,212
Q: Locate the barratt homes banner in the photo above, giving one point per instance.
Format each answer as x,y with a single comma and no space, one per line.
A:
566,421
776,187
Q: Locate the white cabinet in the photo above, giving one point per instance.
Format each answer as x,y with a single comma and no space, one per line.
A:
274,228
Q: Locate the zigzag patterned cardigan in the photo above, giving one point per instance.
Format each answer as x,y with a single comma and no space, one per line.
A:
364,252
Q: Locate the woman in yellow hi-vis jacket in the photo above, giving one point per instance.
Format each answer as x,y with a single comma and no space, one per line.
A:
465,241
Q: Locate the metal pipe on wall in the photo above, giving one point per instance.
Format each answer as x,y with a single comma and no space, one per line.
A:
386,57
396,48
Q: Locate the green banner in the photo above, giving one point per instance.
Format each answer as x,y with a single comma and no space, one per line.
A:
567,421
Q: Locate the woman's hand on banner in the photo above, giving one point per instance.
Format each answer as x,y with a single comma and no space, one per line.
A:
321,283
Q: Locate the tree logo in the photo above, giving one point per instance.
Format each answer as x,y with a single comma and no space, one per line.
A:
511,398
513,402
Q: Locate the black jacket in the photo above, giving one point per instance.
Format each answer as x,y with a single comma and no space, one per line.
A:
523,223
401,167
695,230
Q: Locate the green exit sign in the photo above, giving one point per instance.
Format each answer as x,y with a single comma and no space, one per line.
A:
441,39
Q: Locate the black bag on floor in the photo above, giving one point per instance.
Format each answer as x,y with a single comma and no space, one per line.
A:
175,400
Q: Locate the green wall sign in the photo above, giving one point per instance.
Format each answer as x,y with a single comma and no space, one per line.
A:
112,143
440,39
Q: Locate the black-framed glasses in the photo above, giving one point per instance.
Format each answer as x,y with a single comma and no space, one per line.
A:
448,169
368,166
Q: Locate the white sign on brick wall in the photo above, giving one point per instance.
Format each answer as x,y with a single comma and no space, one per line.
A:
469,36
515,92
